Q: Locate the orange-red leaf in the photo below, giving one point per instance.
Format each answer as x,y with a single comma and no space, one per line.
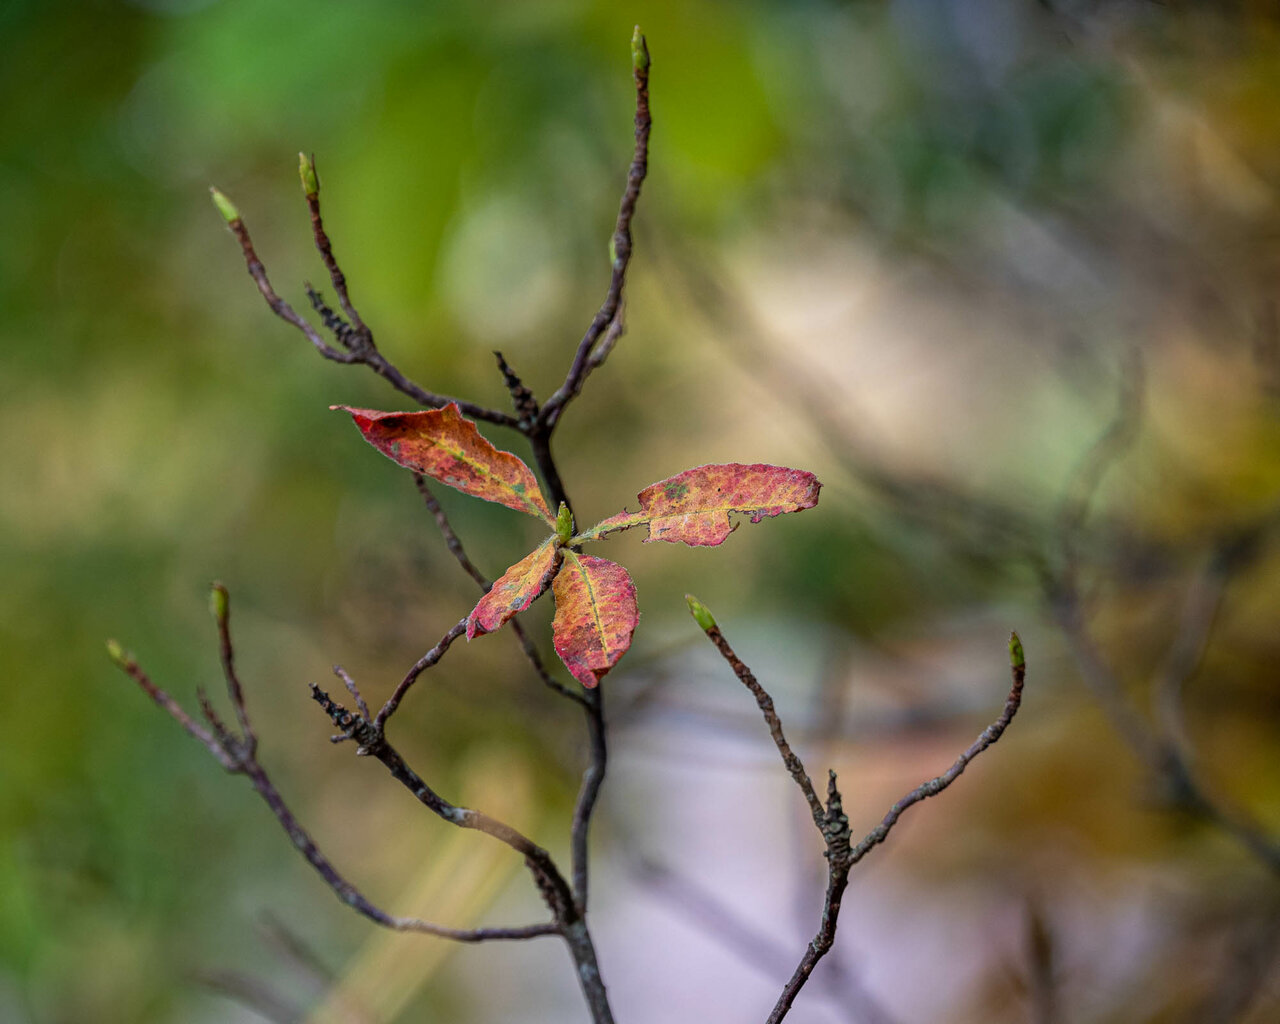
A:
518,588
694,506
595,615
443,445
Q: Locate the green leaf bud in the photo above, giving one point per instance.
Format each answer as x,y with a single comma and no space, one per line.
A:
307,171
564,524
219,602
118,654
1016,658
639,51
701,614
225,207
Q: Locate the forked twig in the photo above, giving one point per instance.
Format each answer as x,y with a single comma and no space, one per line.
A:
831,820
238,755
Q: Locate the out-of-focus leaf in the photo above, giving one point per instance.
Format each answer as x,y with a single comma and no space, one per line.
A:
518,588
595,615
441,444
694,506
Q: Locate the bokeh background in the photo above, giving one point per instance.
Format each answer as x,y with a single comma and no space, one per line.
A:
926,249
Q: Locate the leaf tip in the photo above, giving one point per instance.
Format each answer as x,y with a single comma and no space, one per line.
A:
701,613
307,172
225,206
1017,659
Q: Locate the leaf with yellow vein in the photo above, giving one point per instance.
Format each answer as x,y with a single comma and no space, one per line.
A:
694,506
596,614
518,588
440,444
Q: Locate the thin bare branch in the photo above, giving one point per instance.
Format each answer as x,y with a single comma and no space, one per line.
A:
239,757
841,857
311,187
373,743
220,602
421,665
354,690
279,306
129,665
934,786
588,794
610,309
836,834
522,399
765,703
358,341
447,532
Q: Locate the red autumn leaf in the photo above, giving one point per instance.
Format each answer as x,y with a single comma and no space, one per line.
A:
518,588
595,615
694,506
443,445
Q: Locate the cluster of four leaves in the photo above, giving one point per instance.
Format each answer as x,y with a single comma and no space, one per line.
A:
596,611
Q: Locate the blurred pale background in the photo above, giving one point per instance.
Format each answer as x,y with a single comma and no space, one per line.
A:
911,246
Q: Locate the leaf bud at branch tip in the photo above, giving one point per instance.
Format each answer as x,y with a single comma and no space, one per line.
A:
1016,658
225,207
701,614
564,524
219,603
639,51
307,171
118,654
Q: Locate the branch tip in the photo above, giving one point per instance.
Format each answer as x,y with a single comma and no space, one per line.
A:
639,52
1016,658
219,603
307,172
122,658
225,206
701,613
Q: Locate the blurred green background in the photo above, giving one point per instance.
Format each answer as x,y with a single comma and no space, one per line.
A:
917,247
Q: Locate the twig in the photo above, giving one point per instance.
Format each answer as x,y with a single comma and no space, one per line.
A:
583,363
352,689
311,188
358,341
421,665
238,756
934,786
831,820
220,605
570,922
588,794
447,532
765,703
522,399
258,272
759,949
